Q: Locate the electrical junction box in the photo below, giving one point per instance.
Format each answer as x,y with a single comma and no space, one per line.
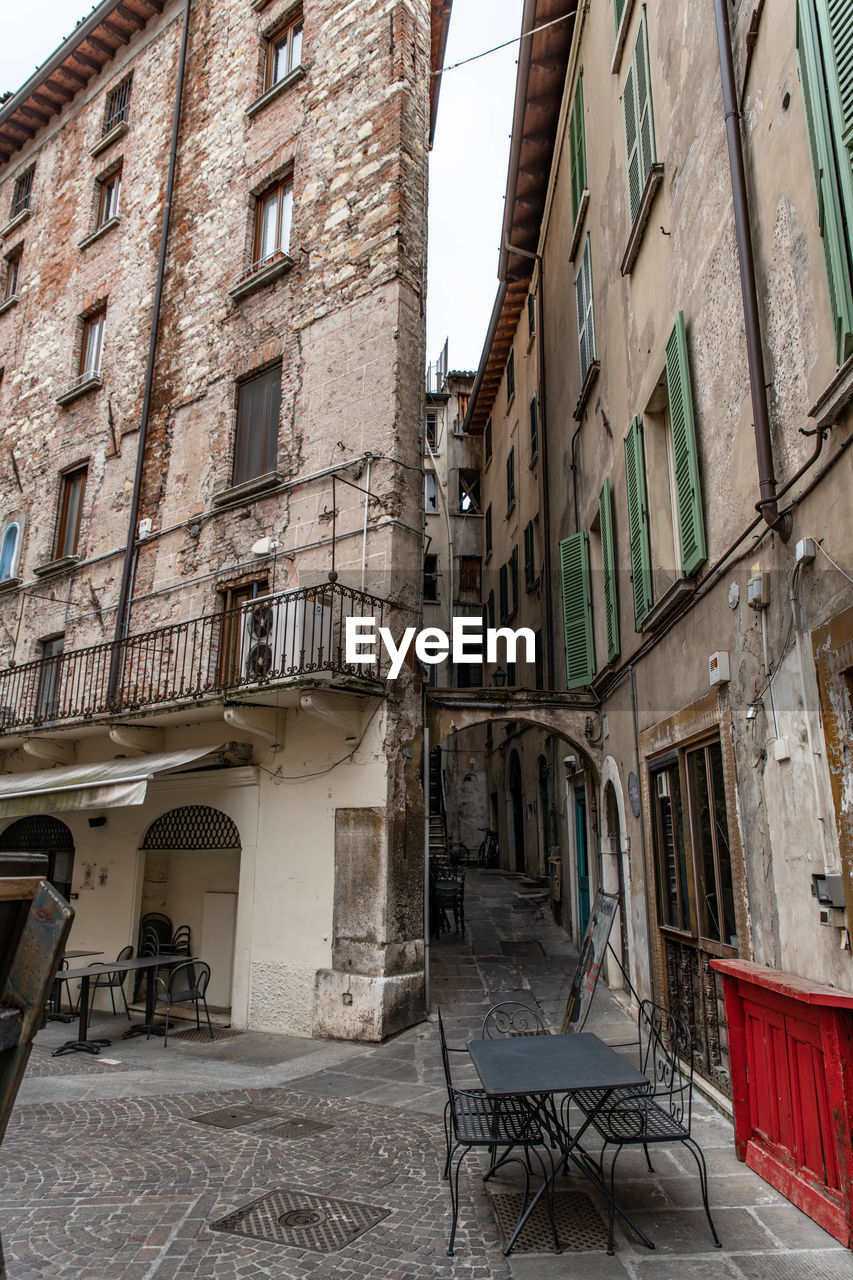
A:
836,917
758,589
806,551
718,667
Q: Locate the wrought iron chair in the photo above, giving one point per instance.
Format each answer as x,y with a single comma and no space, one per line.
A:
658,1112
110,981
473,1119
159,923
512,1018
186,984
450,900
181,941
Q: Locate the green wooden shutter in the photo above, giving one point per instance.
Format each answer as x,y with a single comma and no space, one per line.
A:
639,124
833,185
608,561
688,489
577,610
577,141
638,521
619,6
586,323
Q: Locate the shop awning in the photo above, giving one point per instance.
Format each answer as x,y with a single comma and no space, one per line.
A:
109,784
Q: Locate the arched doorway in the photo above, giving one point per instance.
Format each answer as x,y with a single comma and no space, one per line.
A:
194,890
516,800
44,834
612,851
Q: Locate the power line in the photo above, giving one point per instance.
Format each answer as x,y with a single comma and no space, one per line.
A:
515,40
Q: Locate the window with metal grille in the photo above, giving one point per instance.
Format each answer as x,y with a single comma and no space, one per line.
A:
22,192
195,826
258,413
117,110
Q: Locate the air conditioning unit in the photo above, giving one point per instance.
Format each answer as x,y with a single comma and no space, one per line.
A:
285,635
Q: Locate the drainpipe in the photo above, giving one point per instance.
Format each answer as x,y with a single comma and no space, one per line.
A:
767,503
123,608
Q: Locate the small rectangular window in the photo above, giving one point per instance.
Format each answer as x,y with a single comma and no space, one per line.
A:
529,557
490,609
92,348
510,376
47,697
470,579
284,53
109,191
431,579
489,529
586,321
432,428
513,577
22,193
488,440
469,492
70,512
13,273
430,493
118,106
510,479
273,222
503,592
531,315
258,413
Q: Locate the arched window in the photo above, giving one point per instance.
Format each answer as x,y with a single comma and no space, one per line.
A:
9,552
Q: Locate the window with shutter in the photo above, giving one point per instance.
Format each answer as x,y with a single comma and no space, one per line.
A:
619,6
529,557
608,559
577,141
503,592
577,610
513,577
685,461
510,479
638,120
534,428
489,529
488,440
825,43
586,324
638,521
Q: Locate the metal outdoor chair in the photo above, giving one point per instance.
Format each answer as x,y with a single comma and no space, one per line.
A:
181,944
160,924
473,1119
658,1112
450,900
512,1018
110,981
186,984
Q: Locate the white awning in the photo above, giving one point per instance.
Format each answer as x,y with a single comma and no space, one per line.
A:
108,784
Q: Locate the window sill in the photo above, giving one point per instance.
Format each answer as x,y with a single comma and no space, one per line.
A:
8,303
591,375
671,600
55,566
292,77
635,239
15,222
621,36
92,382
8,585
98,232
248,489
579,221
835,397
257,278
109,138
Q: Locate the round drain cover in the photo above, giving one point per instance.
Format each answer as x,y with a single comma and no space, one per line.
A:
303,1218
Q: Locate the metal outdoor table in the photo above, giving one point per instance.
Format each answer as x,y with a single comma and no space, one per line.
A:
534,1068
152,963
58,1015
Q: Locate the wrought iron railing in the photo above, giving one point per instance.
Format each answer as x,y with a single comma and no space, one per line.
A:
269,639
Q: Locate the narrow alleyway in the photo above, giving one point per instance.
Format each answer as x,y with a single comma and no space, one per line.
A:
107,1172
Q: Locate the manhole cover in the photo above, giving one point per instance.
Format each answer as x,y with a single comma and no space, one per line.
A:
233,1117
579,1226
522,947
295,1127
202,1036
303,1220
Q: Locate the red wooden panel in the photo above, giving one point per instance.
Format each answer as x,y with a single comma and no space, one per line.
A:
814,1147
769,1075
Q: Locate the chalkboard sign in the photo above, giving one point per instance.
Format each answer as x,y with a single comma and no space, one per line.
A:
590,960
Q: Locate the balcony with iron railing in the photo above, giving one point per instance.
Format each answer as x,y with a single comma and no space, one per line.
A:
272,640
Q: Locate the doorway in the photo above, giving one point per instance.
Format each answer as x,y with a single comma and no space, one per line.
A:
516,797
582,859
43,834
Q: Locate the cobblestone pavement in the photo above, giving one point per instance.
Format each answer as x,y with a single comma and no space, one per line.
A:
105,1175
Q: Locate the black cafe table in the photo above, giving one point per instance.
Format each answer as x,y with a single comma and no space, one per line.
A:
534,1069
57,1015
151,964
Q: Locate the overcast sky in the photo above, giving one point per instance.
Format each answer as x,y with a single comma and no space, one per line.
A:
467,166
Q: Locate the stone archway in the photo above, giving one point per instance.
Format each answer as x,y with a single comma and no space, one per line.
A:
616,865
41,833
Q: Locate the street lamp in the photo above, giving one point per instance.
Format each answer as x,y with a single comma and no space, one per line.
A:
499,677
